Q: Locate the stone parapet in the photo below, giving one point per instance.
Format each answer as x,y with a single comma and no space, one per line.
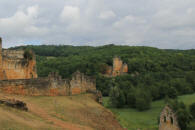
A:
49,86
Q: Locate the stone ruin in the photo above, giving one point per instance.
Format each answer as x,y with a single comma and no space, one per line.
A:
118,68
53,85
81,83
14,65
168,119
18,76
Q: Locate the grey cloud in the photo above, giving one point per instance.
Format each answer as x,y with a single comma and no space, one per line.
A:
158,23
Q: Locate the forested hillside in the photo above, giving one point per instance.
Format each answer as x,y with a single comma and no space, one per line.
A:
153,73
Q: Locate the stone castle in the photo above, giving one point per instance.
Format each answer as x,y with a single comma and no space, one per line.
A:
18,76
118,68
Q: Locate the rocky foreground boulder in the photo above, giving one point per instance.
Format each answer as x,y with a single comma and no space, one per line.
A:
14,103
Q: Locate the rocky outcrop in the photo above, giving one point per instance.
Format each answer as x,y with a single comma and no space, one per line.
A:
168,119
99,97
118,68
14,64
14,103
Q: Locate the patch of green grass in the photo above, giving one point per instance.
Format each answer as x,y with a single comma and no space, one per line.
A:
146,120
187,99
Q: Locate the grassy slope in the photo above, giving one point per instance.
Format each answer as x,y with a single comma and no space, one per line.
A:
147,120
56,113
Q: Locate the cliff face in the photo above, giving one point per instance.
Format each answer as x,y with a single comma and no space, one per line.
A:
118,68
13,65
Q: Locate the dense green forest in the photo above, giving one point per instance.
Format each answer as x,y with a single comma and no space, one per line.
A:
153,73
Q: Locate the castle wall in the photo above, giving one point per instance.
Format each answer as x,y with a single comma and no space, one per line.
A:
13,65
81,83
34,87
50,86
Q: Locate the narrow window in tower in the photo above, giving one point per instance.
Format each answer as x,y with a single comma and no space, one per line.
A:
165,120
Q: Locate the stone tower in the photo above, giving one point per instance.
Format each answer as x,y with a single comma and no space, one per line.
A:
0,53
168,120
2,75
118,67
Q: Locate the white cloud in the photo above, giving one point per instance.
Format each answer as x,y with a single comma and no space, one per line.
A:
159,23
107,15
70,13
32,11
129,20
21,23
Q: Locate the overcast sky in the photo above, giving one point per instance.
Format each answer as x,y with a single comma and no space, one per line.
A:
157,23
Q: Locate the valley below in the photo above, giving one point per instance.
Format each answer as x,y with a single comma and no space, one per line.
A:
147,120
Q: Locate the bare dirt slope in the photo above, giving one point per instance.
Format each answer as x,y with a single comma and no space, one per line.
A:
57,113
